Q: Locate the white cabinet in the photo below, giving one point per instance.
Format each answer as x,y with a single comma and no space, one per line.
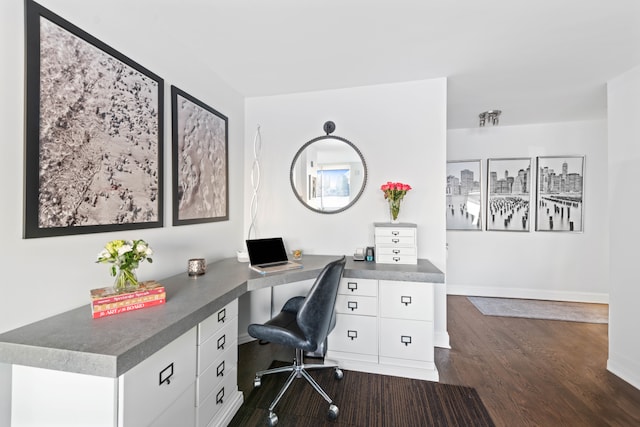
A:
192,381
156,383
396,243
385,327
217,397
355,336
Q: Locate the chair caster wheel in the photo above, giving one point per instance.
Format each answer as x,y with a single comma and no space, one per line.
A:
338,374
257,382
272,420
333,412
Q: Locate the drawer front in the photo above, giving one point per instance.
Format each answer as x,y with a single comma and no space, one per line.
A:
406,300
216,373
396,240
216,321
396,259
364,287
401,251
406,339
213,348
153,385
218,398
354,334
180,413
355,304
395,232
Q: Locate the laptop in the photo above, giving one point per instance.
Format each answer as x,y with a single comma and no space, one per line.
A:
269,256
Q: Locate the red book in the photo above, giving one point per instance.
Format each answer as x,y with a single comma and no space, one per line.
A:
127,308
109,295
136,300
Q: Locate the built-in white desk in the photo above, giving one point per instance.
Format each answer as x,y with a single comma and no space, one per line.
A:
107,353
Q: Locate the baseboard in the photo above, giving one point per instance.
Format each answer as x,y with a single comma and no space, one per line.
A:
441,339
245,338
627,370
524,293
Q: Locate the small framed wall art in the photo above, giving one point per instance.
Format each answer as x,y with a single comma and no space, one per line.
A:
560,193
200,161
464,195
509,184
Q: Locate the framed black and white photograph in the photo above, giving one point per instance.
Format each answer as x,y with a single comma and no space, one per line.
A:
94,123
200,161
464,195
509,184
560,193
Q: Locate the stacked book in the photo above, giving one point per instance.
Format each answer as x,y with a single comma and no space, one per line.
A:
107,302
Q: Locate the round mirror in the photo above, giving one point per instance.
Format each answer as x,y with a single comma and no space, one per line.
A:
328,173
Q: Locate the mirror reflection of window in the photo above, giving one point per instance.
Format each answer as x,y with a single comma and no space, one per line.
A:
332,188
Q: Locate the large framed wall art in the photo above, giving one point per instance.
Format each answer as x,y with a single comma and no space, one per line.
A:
509,184
560,193
200,161
94,132
464,195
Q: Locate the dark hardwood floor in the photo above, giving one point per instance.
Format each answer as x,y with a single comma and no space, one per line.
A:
527,372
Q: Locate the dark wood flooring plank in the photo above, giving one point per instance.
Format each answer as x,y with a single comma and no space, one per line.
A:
527,372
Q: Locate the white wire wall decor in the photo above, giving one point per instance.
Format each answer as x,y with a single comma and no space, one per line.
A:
255,182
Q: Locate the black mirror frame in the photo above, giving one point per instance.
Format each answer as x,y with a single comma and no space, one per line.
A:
364,180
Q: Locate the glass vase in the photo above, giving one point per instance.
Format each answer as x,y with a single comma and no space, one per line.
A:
394,211
126,280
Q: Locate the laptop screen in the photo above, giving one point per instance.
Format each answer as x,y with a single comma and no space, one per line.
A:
263,251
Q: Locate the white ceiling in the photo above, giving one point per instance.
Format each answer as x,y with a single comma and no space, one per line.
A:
538,61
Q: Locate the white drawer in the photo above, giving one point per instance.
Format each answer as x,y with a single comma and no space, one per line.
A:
217,372
153,385
406,339
355,304
218,398
395,232
402,251
365,287
396,240
406,300
354,334
213,323
180,413
217,344
396,259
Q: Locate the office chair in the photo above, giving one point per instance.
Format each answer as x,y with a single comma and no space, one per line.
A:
304,324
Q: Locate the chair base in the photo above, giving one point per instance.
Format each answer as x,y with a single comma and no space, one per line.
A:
299,370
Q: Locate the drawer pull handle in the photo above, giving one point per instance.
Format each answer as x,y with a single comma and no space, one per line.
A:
166,374
352,286
406,300
396,251
222,315
221,342
220,369
396,258
220,396
405,339
395,240
352,305
352,334
395,233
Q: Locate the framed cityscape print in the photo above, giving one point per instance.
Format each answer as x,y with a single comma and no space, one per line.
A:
509,194
560,193
464,195
200,159
94,133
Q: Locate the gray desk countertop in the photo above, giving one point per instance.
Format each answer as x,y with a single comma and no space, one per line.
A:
74,342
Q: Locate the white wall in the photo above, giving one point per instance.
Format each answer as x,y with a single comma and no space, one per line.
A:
624,235
544,265
400,130
50,275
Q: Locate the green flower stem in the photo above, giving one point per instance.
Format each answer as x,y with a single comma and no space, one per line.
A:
125,279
